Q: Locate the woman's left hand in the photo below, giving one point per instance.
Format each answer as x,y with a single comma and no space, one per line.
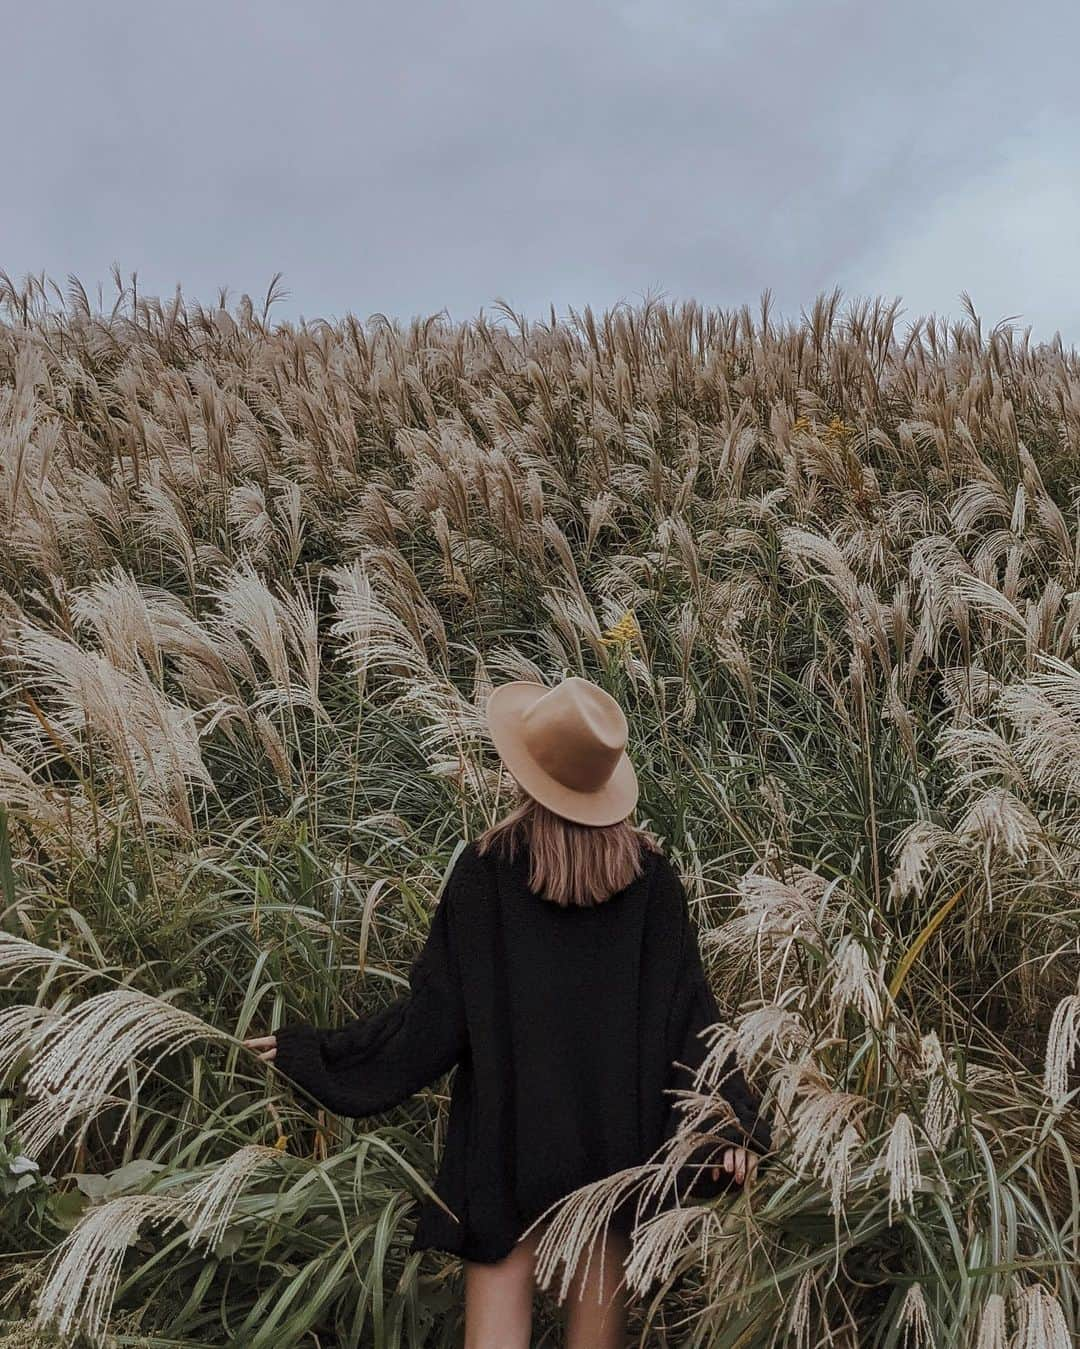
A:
739,1162
264,1042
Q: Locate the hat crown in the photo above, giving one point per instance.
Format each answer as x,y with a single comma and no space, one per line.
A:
577,733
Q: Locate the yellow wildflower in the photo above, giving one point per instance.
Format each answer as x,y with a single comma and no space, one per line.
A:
281,1143
838,429
623,632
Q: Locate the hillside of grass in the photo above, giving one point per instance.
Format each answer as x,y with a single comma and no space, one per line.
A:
257,578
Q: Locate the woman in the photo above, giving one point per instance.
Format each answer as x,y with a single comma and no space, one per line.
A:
562,976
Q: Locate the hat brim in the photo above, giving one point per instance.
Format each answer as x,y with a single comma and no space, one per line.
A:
611,803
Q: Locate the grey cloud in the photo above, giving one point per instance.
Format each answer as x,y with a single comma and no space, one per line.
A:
411,157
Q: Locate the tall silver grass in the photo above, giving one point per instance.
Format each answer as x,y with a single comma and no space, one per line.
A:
257,581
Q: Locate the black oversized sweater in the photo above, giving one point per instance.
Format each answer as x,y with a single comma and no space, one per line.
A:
570,1029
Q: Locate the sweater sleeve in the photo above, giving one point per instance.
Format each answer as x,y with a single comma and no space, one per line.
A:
693,1010
375,1062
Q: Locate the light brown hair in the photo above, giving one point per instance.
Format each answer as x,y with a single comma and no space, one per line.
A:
569,863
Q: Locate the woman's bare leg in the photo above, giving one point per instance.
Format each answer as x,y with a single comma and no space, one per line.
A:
499,1299
596,1306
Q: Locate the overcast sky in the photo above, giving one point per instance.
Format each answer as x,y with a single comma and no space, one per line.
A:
408,157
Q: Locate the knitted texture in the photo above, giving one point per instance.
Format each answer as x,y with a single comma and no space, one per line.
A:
568,1030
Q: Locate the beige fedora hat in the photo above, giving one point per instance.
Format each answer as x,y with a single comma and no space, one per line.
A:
566,746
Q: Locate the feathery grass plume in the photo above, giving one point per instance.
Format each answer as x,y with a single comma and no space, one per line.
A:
899,1159
976,753
84,1270
454,579
772,1035
282,632
153,741
688,548
19,953
770,915
449,722
983,499
1040,1320
617,580
1048,514
854,980
43,1121
247,509
572,618
1045,713
209,1205
835,1171
971,690
568,581
732,655
936,565
668,1239
797,1324
599,509
510,663
123,616
896,711
992,1333
913,1319
941,1113
275,747
1062,1047
164,525
302,636
579,1220
822,1121
20,1027
89,1047
1003,825
998,615
921,850
372,635
373,518
802,547
770,1032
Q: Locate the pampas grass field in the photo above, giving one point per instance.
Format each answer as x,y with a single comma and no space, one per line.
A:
256,580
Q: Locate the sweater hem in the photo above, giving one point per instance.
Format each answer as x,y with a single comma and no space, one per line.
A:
479,1254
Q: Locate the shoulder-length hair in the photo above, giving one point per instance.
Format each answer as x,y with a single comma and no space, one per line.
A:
569,863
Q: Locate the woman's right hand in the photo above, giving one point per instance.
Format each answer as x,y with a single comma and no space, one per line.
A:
267,1043
740,1162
